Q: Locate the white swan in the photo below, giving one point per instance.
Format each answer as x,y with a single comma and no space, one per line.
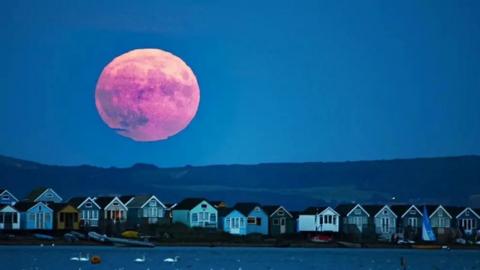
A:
76,258
172,260
140,260
84,259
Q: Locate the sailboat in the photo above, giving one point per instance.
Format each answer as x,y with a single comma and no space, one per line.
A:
427,233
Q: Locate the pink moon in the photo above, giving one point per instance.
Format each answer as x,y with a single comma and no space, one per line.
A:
147,95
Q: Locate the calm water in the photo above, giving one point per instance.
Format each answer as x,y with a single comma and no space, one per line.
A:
58,258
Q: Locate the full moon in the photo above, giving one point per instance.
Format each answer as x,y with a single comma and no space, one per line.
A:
147,95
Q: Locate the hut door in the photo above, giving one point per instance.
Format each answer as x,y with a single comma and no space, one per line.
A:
283,225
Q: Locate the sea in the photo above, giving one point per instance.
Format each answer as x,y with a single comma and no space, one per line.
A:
219,258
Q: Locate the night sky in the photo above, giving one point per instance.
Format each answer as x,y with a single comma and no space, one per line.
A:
280,81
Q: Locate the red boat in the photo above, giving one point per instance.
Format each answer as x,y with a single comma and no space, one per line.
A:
321,239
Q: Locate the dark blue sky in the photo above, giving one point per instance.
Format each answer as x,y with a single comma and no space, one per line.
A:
280,81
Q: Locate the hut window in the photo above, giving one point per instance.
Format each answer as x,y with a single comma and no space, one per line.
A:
204,205
195,217
88,205
242,222
276,221
152,203
259,221
213,217
357,211
5,197
467,213
49,195
385,211
62,217
251,220
281,212
440,213
227,221
412,212
15,217
115,204
31,217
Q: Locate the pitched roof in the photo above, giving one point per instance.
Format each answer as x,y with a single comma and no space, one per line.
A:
139,200
189,203
246,207
5,206
35,193
24,206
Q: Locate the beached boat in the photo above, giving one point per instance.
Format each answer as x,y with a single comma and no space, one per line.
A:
70,237
129,242
321,239
78,235
97,237
43,236
427,246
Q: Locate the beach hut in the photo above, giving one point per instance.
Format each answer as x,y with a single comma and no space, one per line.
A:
354,219
146,209
385,220
113,209
195,212
9,218
280,220
65,216
468,220
319,219
233,221
257,218
409,221
89,211
35,215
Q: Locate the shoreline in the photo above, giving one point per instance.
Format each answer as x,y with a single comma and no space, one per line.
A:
299,244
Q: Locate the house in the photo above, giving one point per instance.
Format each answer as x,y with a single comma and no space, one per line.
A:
385,220
113,209
232,221
468,220
146,209
409,221
35,216
9,218
354,219
7,198
43,194
257,219
195,212
88,209
65,216
280,220
319,219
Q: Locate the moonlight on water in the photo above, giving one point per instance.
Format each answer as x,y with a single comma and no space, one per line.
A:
147,95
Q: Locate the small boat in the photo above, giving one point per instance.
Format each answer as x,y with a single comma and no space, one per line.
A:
97,237
78,235
321,239
427,246
70,237
129,243
43,236
131,234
